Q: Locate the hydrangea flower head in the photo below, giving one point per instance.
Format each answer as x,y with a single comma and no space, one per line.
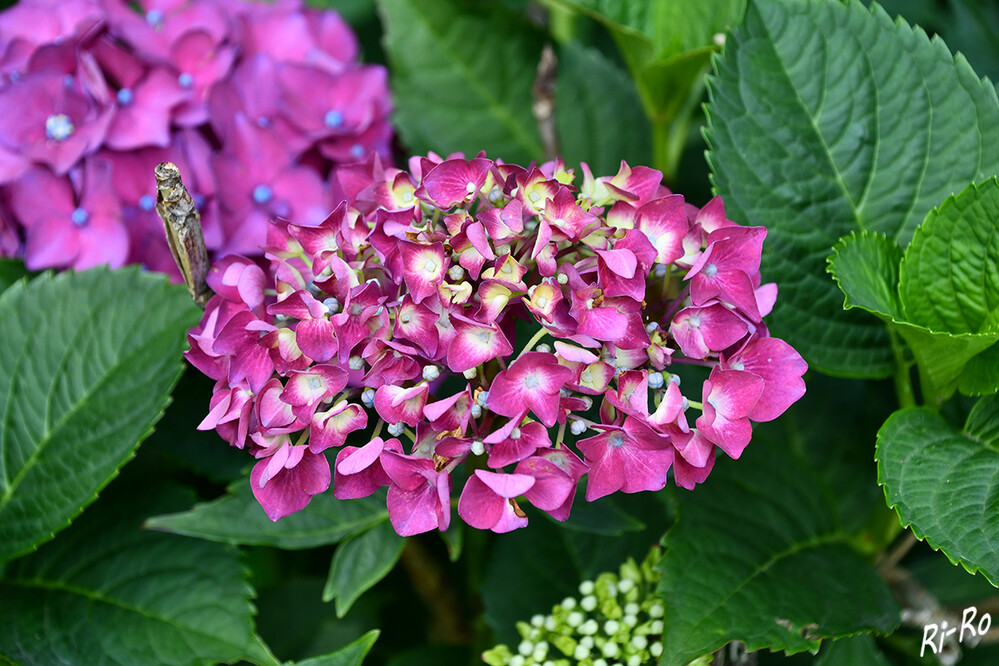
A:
257,102
506,330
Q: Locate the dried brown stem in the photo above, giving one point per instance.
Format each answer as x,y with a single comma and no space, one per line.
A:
544,101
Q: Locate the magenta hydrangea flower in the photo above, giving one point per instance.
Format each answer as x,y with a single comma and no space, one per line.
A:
388,334
214,86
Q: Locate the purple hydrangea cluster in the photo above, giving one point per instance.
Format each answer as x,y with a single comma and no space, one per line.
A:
255,101
399,310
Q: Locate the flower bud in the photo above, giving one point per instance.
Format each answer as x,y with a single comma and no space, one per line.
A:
368,397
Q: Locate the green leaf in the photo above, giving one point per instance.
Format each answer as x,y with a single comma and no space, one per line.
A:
667,45
668,27
827,118
107,592
11,271
598,112
462,77
850,651
757,556
949,277
87,361
865,266
943,482
982,376
237,518
359,562
352,655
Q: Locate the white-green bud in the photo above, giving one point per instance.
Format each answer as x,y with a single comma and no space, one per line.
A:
456,273
396,429
631,609
544,349
568,603
368,397
629,620
562,278
431,372
657,610
355,363
586,587
476,411
611,627
611,649
588,603
575,619
470,373
656,627
589,627
525,648
656,650
640,642
579,653
478,448
634,660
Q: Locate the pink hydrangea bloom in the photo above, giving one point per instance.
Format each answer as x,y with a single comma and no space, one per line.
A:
400,310
258,103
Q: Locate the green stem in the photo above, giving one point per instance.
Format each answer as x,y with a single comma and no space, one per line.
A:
903,380
530,343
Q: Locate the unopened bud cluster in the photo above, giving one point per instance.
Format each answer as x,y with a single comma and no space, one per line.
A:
617,620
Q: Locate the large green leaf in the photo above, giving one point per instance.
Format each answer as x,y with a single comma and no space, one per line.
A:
87,361
237,518
462,77
107,592
943,482
598,113
359,562
758,556
351,655
826,118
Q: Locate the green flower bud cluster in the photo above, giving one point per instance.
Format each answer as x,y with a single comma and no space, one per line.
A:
616,621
